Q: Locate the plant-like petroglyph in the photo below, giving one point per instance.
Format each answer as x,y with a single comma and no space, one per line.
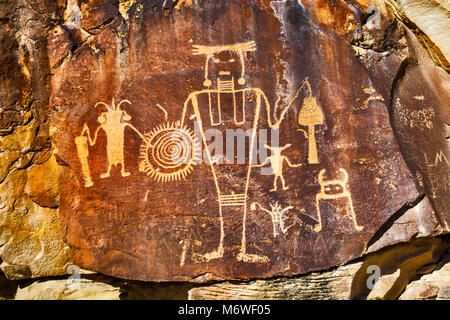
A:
310,116
276,161
113,122
277,213
334,189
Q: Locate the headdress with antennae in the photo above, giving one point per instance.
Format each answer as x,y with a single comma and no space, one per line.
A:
209,51
113,106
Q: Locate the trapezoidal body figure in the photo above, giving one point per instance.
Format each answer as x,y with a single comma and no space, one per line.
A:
334,189
227,103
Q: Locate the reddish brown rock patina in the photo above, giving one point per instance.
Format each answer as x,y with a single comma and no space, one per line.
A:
166,81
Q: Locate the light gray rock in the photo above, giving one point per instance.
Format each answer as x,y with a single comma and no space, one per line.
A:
333,284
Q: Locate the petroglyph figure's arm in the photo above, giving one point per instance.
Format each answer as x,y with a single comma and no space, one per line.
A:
267,161
192,100
253,207
268,109
88,134
290,164
287,209
135,130
297,93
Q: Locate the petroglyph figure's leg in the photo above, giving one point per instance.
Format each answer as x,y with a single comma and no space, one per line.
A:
218,253
318,226
107,173
357,227
243,255
274,184
123,172
283,182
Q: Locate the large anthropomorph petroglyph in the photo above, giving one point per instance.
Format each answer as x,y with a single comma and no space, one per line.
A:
233,139
228,102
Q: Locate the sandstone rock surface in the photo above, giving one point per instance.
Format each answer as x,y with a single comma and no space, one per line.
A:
30,236
328,285
92,286
380,275
337,171
430,20
435,285
363,100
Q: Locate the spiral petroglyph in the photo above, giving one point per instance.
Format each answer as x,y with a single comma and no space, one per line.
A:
168,153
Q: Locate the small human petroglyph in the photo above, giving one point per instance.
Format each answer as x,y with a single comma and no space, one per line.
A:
334,189
277,213
168,153
277,161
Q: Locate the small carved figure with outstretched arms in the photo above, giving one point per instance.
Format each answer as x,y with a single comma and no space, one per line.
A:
334,189
276,161
113,122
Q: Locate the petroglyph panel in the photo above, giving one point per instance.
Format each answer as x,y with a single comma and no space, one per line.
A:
238,138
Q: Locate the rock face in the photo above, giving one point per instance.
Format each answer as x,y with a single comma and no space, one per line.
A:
431,286
241,139
420,118
381,275
335,284
429,18
350,102
30,238
93,286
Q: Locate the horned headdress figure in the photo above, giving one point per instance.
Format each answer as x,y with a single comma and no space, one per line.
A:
334,189
113,122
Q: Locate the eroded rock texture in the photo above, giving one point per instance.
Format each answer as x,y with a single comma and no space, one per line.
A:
150,187
30,239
